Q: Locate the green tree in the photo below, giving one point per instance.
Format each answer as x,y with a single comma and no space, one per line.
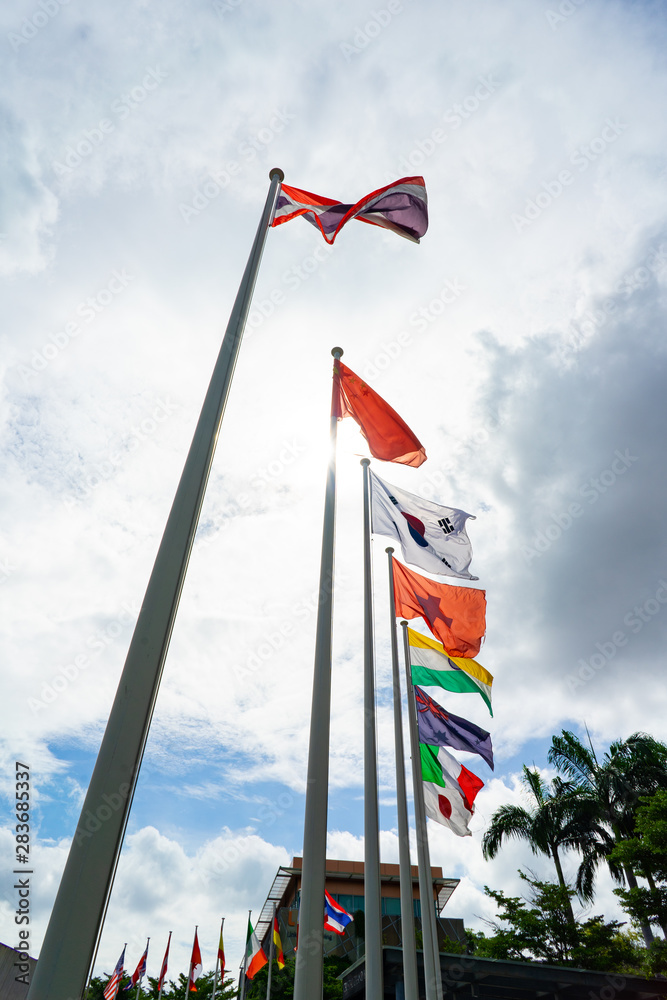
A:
541,931
548,827
646,853
282,980
171,991
604,797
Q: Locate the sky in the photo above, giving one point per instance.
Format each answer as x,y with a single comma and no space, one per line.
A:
523,341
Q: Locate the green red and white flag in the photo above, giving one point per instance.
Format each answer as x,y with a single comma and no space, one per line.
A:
254,954
449,789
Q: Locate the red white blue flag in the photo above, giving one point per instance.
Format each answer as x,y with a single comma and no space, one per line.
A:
111,988
140,970
336,918
440,728
400,207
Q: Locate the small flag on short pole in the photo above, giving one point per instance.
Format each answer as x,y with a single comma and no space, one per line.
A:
277,943
195,966
111,988
139,972
163,970
255,954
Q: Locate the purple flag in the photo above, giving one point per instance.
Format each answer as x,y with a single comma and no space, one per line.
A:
440,728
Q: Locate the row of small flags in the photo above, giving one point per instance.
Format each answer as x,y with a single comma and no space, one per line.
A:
113,986
336,920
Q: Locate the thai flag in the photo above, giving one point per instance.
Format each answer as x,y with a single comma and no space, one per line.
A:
336,918
401,207
111,988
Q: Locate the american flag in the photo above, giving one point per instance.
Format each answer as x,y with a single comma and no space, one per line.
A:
111,988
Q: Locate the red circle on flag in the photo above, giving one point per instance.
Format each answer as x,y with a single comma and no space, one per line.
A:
445,806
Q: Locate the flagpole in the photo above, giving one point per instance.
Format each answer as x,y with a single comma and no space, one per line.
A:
271,951
159,996
310,958
72,936
431,959
245,962
217,963
410,977
372,893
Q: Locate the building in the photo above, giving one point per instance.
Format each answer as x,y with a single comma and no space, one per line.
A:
11,967
345,883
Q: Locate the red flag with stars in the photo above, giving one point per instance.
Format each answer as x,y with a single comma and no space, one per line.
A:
455,615
389,437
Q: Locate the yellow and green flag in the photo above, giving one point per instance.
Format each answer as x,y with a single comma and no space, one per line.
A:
432,666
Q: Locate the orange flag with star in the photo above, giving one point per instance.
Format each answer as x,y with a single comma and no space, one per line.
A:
455,615
389,437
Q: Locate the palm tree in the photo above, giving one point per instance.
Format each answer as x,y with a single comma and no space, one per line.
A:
604,798
548,828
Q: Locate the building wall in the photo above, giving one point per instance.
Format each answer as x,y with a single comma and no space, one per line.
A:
9,988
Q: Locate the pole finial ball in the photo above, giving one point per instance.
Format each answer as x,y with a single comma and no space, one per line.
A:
276,170
337,352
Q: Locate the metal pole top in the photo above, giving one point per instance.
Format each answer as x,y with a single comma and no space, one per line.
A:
389,549
366,462
337,352
276,172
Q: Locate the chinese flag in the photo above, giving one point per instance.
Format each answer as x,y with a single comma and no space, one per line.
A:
389,437
455,615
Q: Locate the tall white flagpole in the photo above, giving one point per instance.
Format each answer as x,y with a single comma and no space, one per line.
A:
432,976
217,963
410,977
67,954
372,891
309,968
159,996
